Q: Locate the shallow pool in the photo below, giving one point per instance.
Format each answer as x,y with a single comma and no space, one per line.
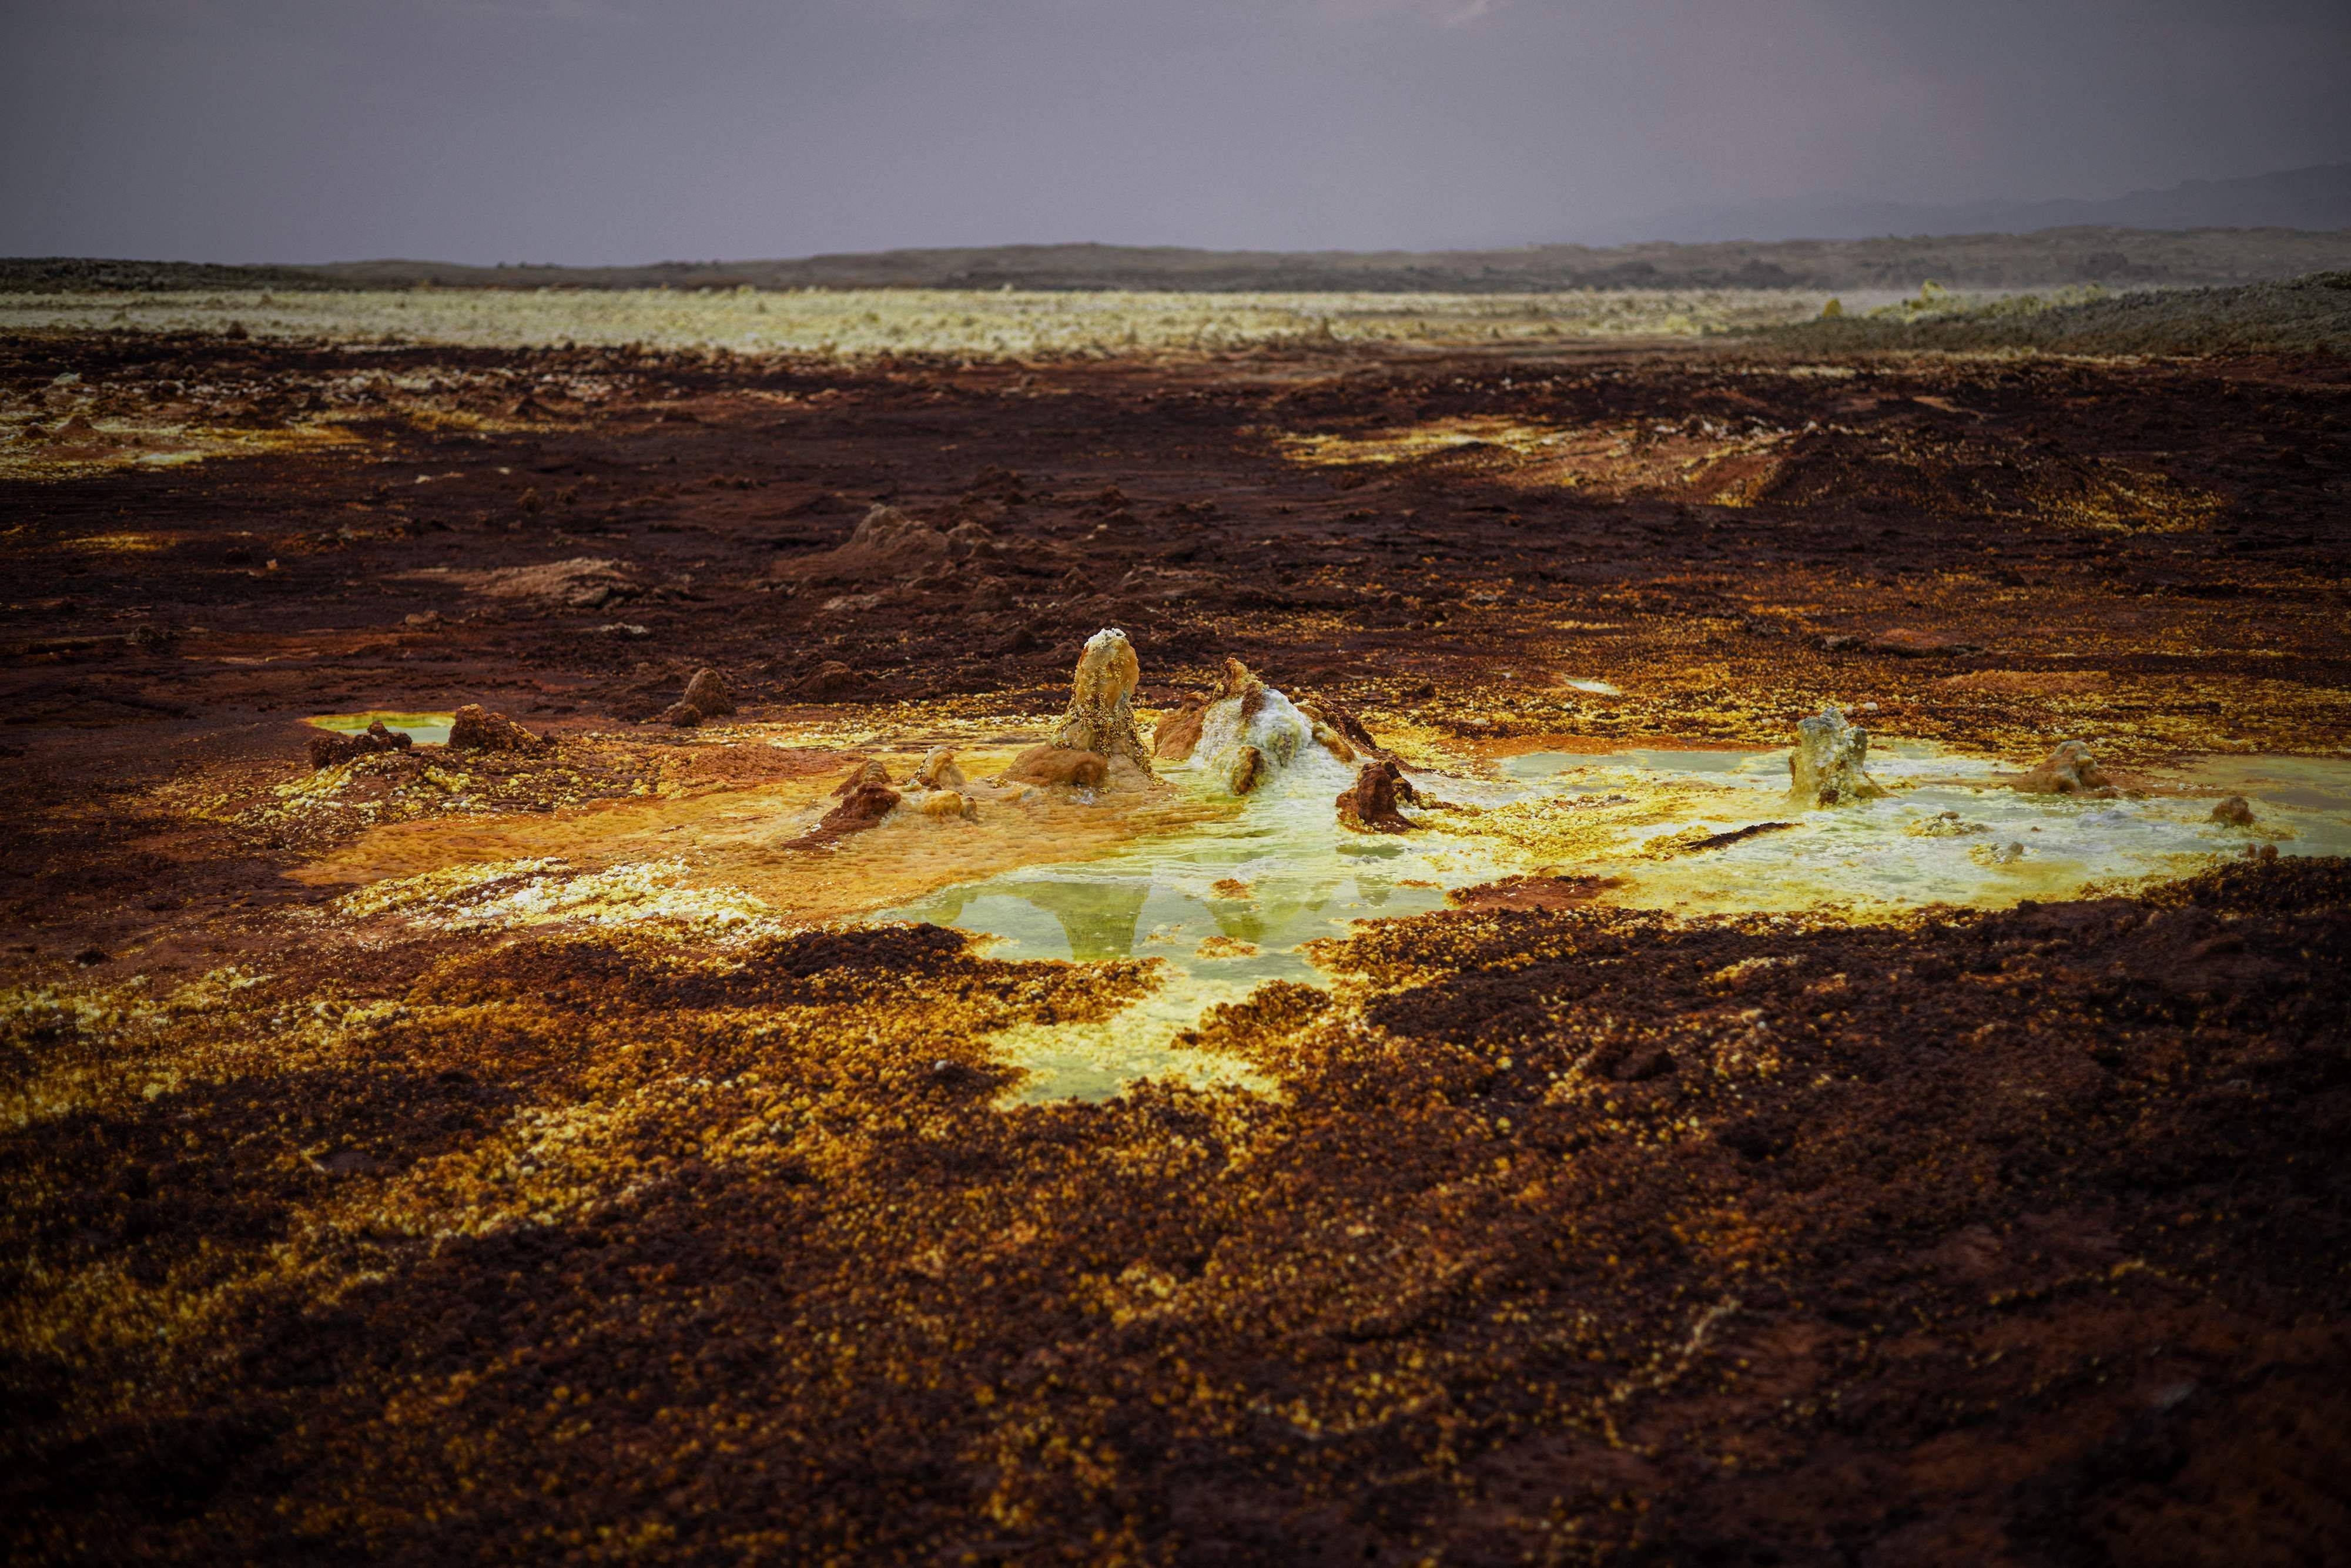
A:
423,728
1231,903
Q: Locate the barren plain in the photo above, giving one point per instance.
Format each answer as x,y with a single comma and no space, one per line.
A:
594,1134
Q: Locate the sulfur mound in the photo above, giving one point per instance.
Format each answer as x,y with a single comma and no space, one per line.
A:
950,803
1058,765
938,770
1101,714
2232,812
476,728
940,789
2068,770
1246,730
1178,735
1827,766
1369,805
326,750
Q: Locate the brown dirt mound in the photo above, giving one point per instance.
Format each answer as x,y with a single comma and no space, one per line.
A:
476,728
326,750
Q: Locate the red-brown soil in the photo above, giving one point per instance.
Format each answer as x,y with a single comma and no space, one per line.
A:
1571,1235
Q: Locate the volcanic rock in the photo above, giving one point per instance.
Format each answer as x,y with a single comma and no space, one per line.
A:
1539,891
864,803
326,750
828,681
2068,770
1904,642
865,775
1101,714
583,582
709,693
476,728
684,716
1827,765
1369,805
1058,765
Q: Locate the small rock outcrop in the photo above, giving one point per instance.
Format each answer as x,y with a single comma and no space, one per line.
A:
476,728
1338,731
827,682
2068,770
1828,767
1245,768
1101,714
861,808
684,716
709,695
863,776
2232,812
887,543
1369,805
583,582
327,751
1540,890
864,799
1176,734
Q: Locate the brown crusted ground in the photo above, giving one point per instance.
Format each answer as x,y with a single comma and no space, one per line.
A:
1576,1235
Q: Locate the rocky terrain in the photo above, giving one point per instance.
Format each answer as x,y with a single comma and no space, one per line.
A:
445,1212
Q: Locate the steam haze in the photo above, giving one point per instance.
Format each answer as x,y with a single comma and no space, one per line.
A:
608,132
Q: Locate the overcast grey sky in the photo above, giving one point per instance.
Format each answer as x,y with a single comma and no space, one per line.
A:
624,131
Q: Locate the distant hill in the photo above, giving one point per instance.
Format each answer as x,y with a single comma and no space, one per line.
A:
2306,314
2314,198
1976,261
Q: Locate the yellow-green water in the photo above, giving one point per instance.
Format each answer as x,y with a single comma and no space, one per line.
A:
424,728
1258,886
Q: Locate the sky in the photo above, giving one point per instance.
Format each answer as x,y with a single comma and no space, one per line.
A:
614,132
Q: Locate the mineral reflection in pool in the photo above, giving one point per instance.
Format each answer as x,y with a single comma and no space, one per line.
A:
1949,832
1226,907
423,728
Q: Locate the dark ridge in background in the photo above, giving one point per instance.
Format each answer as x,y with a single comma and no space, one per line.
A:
1985,261
2307,315
2318,197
